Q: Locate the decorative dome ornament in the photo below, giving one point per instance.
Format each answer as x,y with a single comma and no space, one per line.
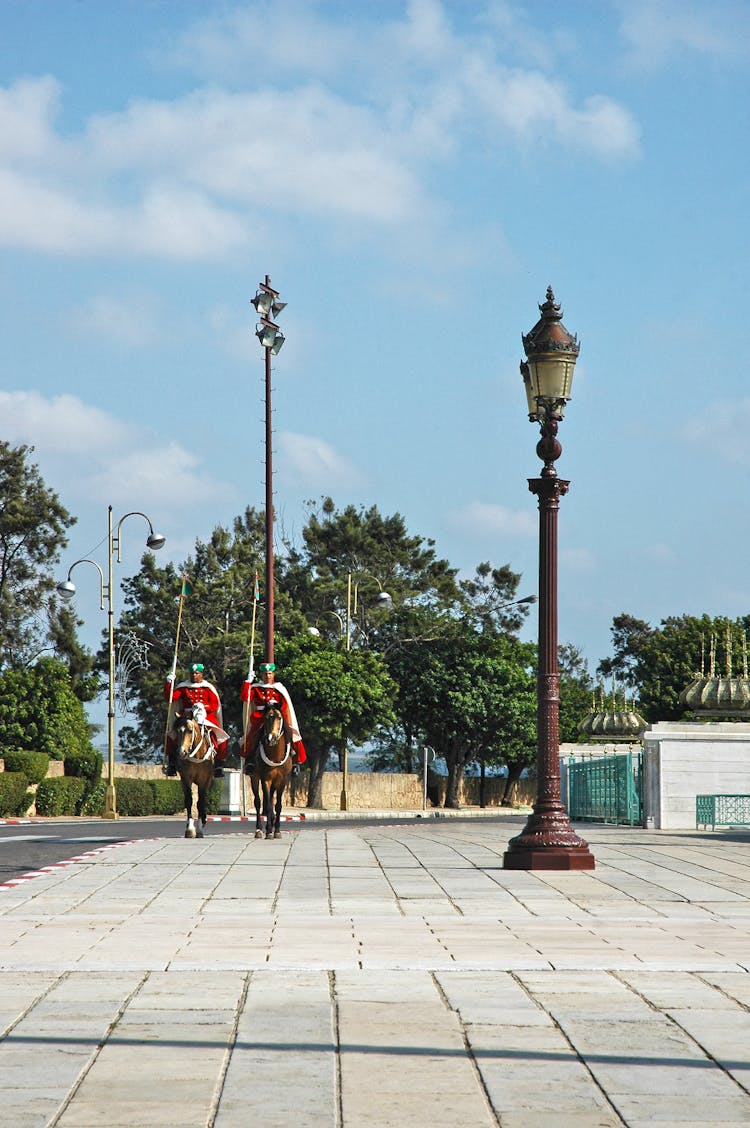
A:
614,721
713,695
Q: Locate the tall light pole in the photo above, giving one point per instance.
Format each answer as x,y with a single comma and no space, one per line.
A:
268,306
548,840
67,590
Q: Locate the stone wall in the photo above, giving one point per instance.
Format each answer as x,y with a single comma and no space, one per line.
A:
682,760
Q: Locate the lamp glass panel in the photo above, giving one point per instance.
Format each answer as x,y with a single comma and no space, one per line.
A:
552,376
266,336
278,341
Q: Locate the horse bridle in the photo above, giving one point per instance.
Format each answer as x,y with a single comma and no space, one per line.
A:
285,735
202,728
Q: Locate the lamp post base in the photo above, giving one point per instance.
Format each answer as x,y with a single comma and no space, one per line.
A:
549,842
550,858
110,803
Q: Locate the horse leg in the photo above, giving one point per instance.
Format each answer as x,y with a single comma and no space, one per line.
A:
256,801
277,821
202,793
187,791
267,808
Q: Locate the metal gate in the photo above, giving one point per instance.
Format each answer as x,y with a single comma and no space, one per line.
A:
608,789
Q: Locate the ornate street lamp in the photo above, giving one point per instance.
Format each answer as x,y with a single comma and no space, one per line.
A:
548,840
67,590
268,306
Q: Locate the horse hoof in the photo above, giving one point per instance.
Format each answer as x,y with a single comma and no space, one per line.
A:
259,834
190,833
277,834
199,833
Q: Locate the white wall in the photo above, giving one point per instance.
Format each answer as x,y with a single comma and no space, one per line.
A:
682,760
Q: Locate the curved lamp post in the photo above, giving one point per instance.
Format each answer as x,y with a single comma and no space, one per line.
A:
67,590
548,840
268,306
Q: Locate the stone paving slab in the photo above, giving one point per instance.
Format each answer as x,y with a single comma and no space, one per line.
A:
389,975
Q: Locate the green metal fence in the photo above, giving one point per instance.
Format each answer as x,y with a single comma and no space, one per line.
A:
607,789
722,810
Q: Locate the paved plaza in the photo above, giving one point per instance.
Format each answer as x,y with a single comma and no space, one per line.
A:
388,975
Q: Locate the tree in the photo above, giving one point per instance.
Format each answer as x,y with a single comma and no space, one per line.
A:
576,689
33,531
660,662
39,711
338,695
470,696
378,553
215,628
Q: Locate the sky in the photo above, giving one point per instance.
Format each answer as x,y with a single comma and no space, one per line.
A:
411,176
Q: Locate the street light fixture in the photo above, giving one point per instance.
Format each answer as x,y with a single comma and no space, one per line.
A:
266,302
548,840
67,590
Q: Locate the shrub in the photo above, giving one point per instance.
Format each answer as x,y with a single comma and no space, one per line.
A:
34,765
14,795
168,797
134,797
94,800
86,763
213,799
61,796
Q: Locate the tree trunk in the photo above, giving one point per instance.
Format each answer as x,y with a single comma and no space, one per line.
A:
456,765
514,774
317,759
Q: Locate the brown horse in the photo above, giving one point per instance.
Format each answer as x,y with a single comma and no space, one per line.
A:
195,765
270,769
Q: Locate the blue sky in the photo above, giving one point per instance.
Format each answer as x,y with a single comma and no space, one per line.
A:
411,176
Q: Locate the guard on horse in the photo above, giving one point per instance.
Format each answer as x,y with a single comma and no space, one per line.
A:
258,696
202,698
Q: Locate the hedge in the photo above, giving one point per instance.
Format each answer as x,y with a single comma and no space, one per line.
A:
94,800
168,796
61,796
86,764
14,797
134,797
34,765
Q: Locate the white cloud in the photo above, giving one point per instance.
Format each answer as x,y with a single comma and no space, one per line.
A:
313,463
86,453
481,518
136,323
657,29
195,177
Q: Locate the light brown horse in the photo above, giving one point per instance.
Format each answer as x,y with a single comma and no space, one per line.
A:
195,765
270,769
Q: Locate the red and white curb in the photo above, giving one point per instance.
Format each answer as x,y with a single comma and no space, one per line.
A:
16,822
13,882
251,818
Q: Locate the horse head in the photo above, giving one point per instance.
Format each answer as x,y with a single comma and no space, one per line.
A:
193,740
274,726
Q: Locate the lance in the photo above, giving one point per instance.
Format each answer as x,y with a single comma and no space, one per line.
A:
183,592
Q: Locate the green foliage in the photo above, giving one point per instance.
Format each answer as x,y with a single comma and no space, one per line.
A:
469,696
15,798
86,763
134,796
660,662
34,765
336,693
60,796
576,688
39,711
168,796
94,800
33,530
